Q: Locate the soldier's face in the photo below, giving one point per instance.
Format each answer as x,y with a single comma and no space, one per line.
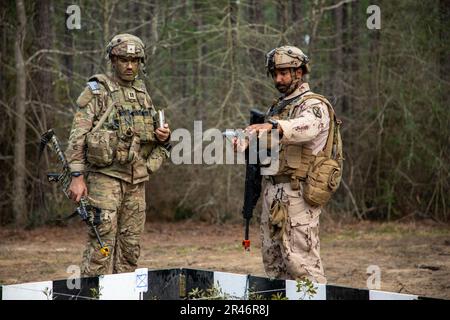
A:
126,68
283,79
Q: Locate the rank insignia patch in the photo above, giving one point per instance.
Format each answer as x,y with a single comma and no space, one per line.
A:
131,95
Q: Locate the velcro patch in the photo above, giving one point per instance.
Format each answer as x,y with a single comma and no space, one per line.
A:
94,86
131,48
131,95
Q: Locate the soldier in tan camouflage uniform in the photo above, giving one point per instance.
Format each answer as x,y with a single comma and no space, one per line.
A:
114,146
289,224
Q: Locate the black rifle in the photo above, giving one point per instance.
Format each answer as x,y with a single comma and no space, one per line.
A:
252,179
65,179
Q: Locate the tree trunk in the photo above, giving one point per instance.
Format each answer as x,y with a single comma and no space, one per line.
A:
233,25
3,53
43,77
337,57
297,20
283,19
354,52
107,9
197,65
297,15
232,42
255,16
19,195
345,71
68,58
444,34
42,92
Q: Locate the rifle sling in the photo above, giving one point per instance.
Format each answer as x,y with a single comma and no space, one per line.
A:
274,111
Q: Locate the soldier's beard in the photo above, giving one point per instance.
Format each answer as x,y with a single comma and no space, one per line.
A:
288,89
282,88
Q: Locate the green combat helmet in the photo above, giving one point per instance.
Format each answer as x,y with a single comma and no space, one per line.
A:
126,45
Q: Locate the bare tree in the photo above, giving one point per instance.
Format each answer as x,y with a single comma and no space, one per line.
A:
444,9
44,41
206,62
337,57
19,195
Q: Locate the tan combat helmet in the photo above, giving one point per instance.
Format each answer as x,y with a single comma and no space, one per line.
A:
286,57
126,45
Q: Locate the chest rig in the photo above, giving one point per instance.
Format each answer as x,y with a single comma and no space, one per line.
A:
297,160
125,110
125,129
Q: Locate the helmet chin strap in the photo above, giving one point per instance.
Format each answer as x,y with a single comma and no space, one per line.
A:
294,83
142,68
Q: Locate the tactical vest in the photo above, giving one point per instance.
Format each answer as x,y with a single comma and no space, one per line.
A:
131,115
123,134
322,172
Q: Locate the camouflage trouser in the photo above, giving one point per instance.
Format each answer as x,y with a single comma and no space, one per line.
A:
297,253
123,217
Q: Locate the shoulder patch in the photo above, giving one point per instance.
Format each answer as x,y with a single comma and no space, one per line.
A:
85,97
105,81
94,86
317,112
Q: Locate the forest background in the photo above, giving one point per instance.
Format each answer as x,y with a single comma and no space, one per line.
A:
205,62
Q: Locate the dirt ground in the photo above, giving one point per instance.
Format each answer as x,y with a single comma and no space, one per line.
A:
414,257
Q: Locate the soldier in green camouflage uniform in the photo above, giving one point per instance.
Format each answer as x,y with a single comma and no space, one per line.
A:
114,146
